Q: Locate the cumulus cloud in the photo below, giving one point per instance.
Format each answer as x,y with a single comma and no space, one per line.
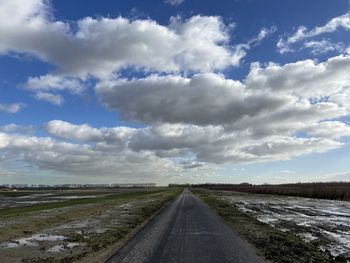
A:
305,90
191,115
123,152
215,145
303,33
47,87
11,108
275,113
49,154
54,99
329,129
15,128
101,48
105,45
305,78
210,144
204,99
85,132
54,83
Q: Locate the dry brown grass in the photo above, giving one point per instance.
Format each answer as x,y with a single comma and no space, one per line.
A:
332,190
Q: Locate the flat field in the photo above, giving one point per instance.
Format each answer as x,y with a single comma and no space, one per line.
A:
330,190
324,224
73,225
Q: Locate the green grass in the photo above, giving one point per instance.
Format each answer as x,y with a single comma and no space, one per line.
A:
272,244
21,193
95,242
80,201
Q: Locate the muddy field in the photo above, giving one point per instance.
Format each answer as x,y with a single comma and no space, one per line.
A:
29,198
325,222
74,231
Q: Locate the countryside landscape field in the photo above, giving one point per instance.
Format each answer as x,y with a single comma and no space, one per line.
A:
322,223
90,225
71,225
174,131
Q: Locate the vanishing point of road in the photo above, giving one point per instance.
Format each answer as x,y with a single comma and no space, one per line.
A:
186,231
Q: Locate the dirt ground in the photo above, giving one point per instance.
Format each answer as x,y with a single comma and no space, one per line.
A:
71,233
324,222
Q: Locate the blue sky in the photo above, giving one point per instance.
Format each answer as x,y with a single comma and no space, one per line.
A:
174,91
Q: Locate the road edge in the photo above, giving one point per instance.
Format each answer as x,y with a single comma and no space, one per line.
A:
108,253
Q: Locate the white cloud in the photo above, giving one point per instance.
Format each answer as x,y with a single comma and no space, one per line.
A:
203,100
222,120
329,129
48,86
335,23
209,144
302,33
123,152
240,50
105,45
85,132
288,172
336,177
305,78
55,99
192,115
15,128
11,108
101,48
174,2
84,159
54,83
323,46
295,92
215,145
264,33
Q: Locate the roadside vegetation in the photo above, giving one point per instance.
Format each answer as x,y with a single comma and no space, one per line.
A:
114,217
335,191
272,244
119,197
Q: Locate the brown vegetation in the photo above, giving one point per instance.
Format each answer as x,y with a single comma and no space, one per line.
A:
333,190
274,245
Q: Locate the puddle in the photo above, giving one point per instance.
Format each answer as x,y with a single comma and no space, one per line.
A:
31,241
73,197
60,248
66,239
312,219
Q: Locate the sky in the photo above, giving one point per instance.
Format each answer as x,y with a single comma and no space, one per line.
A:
174,91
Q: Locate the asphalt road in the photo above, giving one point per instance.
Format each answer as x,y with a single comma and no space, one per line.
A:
186,231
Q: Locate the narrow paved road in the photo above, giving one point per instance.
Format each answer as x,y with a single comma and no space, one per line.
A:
186,231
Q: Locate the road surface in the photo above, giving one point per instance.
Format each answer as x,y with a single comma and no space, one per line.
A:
186,231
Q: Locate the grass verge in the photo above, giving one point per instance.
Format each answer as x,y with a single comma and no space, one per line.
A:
80,201
29,221
99,246
272,244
